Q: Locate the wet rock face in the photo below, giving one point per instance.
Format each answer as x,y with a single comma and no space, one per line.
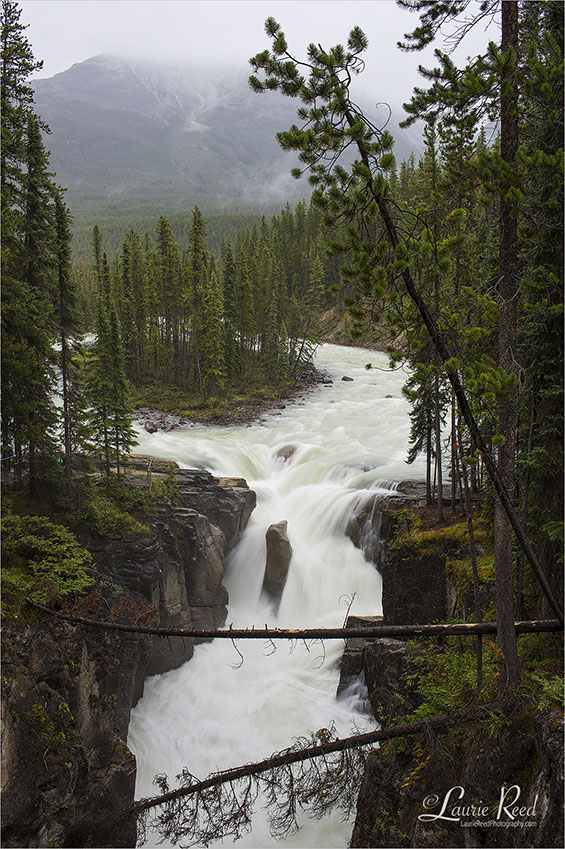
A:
279,553
386,665
395,785
178,568
414,588
68,692
66,771
226,502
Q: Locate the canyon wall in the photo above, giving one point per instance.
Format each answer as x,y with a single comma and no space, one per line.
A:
419,791
67,774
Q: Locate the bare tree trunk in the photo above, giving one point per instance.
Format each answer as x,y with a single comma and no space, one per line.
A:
429,464
438,452
473,556
454,475
507,295
66,411
525,500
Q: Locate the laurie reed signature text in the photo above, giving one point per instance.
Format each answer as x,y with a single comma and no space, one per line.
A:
506,811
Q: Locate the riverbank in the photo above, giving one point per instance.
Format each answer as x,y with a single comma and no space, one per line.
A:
169,409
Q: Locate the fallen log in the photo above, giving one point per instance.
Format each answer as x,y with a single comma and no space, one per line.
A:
373,632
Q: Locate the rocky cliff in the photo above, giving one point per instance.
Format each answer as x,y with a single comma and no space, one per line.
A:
488,784
68,691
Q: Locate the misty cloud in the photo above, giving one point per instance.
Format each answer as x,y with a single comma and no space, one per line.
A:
226,33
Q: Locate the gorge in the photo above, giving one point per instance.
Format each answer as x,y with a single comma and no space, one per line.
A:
322,469
310,465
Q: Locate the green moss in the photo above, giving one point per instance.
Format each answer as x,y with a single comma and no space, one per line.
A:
168,487
235,402
450,540
120,753
44,728
388,823
446,679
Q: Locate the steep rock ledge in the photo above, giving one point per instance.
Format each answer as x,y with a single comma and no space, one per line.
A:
415,588
400,786
408,778
68,691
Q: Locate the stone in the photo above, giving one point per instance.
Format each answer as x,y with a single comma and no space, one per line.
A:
386,665
395,785
351,666
225,506
279,553
151,427
349,379
86,681
414,588
286,452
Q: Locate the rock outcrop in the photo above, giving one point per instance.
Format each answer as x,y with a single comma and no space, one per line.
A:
407,780
279,553
415,586
68,691
400,787
66,770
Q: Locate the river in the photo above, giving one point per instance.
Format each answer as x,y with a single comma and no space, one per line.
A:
349,437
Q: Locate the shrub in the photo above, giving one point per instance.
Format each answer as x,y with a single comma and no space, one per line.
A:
98,512
42,559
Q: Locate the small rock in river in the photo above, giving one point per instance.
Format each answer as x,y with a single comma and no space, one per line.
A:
347,378
151,427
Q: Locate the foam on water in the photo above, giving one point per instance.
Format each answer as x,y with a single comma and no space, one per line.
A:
348,442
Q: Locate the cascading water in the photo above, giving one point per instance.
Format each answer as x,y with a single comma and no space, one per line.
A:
341,445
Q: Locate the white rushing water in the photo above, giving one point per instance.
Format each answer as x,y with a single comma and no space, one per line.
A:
349,440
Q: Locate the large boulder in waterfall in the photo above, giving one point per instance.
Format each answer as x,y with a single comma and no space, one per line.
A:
279,552
286,452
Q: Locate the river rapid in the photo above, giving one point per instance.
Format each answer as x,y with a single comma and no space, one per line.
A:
348,439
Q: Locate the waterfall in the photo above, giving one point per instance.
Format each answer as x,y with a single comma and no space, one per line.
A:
310,464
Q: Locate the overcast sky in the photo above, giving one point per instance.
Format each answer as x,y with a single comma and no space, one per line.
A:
63,32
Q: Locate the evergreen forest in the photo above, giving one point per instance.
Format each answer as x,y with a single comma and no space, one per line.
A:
451,264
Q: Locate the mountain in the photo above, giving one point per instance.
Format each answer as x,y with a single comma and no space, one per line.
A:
128,133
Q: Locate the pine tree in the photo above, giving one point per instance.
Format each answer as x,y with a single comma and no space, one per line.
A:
100,383
231,311
194,291
212,340
97,252
16,99
67,321
120,407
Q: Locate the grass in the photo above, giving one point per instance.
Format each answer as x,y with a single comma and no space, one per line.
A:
233,406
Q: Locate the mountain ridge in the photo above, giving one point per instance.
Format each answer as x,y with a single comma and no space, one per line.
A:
130,131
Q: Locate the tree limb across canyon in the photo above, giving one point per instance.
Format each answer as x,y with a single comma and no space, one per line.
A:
373,632
328,776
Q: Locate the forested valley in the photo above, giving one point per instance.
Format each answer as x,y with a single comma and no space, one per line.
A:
452,265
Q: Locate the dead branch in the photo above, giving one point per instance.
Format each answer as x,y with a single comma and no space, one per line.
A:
318,772
372,632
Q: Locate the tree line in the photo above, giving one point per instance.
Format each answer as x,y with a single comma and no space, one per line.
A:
214,324
41,321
